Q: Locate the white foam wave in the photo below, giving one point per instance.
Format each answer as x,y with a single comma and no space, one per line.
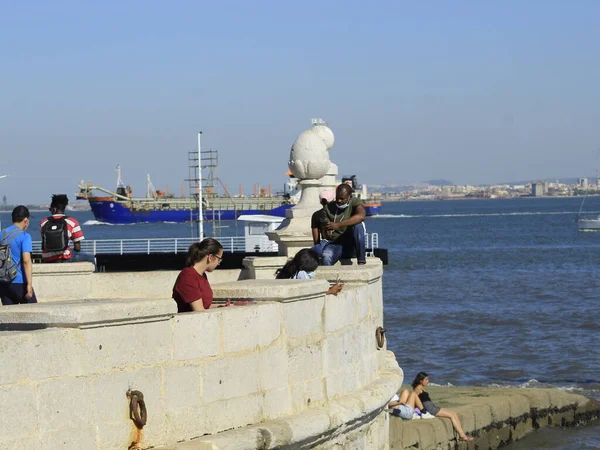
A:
88,223
526,213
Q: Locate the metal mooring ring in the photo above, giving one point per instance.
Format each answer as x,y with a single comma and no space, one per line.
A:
380,336
137,408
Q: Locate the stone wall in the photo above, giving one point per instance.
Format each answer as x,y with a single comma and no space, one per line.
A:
295,368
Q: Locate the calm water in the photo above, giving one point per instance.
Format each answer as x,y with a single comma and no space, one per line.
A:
482,292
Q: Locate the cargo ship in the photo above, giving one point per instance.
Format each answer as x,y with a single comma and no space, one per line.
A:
121,207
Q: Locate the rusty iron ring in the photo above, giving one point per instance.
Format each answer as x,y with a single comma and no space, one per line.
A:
137,408
380,336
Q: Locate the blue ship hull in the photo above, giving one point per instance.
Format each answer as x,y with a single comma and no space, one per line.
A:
116,213
372,210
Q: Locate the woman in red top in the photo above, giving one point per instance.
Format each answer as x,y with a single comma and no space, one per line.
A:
192,291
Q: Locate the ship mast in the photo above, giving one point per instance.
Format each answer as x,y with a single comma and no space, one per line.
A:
200,213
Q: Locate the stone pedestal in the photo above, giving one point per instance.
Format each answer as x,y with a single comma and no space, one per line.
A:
309,162
263,267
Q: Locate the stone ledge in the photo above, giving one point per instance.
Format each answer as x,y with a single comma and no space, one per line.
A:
352,274
272,290
493,416
86,313
313,426
63,268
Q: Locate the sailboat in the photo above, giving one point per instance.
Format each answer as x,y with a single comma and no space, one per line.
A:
587,223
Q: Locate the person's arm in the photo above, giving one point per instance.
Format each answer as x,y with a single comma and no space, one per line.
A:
76,235
197,305
316,236
28,272
358,217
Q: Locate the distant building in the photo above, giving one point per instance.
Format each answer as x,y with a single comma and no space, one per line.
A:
583,182
537,189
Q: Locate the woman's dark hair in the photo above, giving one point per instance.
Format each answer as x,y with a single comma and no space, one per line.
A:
420,377
199,250
306,259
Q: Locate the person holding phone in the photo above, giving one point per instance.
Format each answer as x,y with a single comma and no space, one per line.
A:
342,232
303,266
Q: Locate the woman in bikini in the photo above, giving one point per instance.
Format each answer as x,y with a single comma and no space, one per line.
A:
418,385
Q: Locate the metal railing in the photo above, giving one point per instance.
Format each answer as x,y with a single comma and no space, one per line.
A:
175,245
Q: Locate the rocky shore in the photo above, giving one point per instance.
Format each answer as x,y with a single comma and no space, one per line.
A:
495,417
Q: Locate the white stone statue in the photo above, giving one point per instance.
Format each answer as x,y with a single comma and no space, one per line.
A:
309,163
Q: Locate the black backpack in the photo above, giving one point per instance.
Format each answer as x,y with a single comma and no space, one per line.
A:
55,234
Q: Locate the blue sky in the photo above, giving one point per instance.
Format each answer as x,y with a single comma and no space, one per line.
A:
474,92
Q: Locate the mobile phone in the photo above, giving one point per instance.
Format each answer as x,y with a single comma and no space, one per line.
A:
337,280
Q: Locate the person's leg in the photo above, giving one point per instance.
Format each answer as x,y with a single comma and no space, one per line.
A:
331,254
318,248
81,257
359,243
14,294
404,396
5,295
453,416
412,400
353,242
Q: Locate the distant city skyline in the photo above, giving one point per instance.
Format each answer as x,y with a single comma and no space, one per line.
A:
475,93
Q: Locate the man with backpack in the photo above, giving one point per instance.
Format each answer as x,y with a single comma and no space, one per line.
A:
56,232
15,261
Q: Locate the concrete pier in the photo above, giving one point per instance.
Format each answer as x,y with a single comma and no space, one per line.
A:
495,417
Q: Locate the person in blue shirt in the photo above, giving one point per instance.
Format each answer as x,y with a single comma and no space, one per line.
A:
21,288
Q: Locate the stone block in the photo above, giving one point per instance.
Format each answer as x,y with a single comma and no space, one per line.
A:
75,439
273,368
182,387
15,350
362,305
340,310
276,403
227,378
339,351
309,394
235,412
88,313
263,268
246,327
28,443
196,335
186,423
58,352
19,413
66,404
110,390
272,290
341,382
128,345
111,405
305,362
302,319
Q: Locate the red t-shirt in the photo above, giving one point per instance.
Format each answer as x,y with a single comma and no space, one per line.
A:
189,287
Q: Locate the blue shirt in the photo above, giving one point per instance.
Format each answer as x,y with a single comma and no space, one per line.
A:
20,244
